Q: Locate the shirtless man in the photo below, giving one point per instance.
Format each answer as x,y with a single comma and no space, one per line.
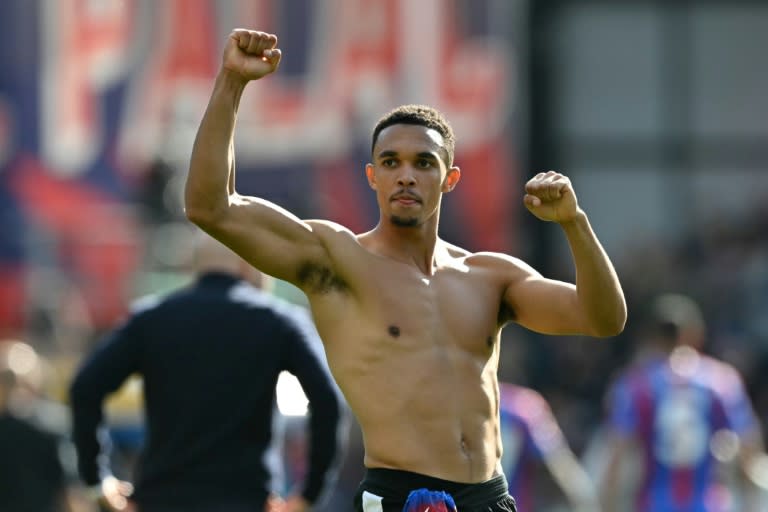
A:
410,323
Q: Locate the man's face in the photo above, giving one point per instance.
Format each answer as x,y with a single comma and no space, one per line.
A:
409,173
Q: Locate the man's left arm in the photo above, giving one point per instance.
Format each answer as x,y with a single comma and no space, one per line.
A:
595,305
599,292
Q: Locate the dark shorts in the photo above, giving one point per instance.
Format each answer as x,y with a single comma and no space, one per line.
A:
386,490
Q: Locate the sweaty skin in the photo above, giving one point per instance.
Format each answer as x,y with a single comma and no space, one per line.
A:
410,323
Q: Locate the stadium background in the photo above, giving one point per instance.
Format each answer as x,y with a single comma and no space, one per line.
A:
657,111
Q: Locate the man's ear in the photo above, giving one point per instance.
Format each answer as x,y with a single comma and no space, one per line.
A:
451,179
371,175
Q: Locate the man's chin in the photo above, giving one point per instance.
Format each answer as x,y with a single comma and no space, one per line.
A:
404,222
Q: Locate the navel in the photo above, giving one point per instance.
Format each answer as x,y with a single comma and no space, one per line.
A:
489,341
394,331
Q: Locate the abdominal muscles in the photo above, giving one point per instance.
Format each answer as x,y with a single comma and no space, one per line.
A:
429,410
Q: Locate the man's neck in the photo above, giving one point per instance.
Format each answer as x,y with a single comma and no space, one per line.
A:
411,245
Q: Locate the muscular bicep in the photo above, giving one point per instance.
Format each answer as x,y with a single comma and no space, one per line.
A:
268,237
543,305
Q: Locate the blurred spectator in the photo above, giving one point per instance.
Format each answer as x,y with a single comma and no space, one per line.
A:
683,417
533,442
32,477
155,193
210,355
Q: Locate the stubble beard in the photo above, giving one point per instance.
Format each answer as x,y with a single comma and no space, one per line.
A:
404,222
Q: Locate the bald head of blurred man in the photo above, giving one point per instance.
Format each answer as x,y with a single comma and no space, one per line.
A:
213,256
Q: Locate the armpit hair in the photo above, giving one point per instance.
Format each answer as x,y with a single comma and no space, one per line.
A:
315,278
506,314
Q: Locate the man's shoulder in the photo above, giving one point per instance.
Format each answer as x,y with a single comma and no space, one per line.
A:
324,227
145,303
492,256
723,377
496,260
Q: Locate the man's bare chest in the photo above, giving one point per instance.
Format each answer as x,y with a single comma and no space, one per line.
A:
450,303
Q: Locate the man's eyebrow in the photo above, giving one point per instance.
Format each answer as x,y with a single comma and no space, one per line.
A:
387,153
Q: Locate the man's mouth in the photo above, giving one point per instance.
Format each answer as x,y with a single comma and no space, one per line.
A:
406,199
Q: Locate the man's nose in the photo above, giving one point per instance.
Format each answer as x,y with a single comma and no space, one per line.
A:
406,177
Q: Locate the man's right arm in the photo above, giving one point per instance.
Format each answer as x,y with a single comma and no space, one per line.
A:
267,236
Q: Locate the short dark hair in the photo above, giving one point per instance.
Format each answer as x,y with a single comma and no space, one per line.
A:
421,115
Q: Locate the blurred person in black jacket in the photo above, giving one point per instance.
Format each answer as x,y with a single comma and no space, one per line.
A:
210,355
32,478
